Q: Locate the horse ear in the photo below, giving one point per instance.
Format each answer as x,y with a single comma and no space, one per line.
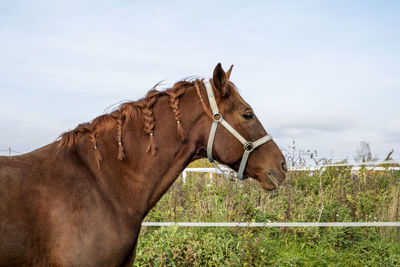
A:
220,79
228,73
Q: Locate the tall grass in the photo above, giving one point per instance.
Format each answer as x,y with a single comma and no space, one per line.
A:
329,195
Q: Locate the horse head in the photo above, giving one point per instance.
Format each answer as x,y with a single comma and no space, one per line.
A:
237,138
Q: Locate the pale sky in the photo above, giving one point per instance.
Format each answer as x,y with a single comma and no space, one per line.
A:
323,73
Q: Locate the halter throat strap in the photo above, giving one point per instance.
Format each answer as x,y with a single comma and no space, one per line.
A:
248,146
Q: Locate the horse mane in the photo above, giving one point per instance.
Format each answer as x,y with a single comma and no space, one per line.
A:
130,110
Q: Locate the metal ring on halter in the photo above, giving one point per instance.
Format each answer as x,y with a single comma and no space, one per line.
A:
215,115
248,146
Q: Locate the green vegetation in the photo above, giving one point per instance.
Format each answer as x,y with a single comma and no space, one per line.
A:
329,195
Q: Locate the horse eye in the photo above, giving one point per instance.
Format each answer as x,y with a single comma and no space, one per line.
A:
248,115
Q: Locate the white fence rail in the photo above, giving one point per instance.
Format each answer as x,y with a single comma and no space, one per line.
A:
354,167
274,224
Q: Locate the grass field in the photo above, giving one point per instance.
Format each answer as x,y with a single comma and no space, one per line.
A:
329,195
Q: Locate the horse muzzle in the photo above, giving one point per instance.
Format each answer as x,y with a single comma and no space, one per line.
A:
276,177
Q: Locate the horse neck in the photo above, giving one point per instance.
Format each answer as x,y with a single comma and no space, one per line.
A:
142,178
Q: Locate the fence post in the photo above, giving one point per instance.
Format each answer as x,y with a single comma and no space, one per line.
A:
184,177
9,151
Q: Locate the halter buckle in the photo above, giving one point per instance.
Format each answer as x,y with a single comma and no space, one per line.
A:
248,146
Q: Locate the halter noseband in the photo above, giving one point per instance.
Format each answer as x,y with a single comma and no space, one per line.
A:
248,146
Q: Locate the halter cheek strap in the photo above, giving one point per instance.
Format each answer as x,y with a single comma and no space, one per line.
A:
248,146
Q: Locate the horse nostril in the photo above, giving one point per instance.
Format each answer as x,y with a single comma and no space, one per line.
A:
284,166
271,177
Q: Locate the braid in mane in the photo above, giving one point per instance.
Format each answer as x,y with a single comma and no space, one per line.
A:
68,139
174,95
197,85
125,110
149,120
97,155
120,121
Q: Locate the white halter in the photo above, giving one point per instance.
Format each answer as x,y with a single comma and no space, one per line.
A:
248,146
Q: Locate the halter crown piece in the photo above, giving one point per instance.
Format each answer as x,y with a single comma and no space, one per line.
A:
248,146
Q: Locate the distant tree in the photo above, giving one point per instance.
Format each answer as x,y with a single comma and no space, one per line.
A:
364,154
296,157
389,156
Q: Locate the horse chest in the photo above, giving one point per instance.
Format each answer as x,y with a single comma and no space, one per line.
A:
94,237
93,249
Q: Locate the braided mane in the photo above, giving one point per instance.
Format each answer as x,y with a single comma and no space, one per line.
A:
129,110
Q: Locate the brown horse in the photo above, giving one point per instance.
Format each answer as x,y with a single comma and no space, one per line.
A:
80,201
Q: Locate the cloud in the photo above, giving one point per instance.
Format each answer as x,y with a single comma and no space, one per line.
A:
391,131
304,122
333,136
